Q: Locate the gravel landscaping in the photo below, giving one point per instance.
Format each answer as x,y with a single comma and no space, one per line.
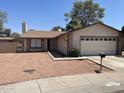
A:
17,67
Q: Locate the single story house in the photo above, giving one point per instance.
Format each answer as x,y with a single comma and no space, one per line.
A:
90,40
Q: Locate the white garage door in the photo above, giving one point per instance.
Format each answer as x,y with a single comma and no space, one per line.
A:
92,46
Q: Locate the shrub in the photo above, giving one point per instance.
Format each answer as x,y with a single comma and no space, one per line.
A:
74,52
123,29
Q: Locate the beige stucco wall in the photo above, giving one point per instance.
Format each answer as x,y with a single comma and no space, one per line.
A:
95,30
45,44
8,47
63,44
25,45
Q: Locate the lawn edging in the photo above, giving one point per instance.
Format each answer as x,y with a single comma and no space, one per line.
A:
66,58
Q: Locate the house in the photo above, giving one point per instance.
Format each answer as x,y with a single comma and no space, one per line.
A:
90,40
7,45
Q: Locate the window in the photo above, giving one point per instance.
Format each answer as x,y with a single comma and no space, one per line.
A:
87,39
82,39
110,39
114,39
105,39
96,39
35,43
91,39
101,39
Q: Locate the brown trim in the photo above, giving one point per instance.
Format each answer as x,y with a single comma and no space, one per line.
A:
117,47
28,45
80,46
68,36
23,45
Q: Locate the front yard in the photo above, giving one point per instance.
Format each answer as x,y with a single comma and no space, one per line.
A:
17,67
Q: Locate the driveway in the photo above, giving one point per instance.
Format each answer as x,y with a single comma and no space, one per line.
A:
114,62
17,67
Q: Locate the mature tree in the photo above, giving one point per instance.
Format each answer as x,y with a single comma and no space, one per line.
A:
7,32
3,19
57,28
83,14
123,29
15,34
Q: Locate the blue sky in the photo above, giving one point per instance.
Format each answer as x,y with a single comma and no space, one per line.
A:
44,14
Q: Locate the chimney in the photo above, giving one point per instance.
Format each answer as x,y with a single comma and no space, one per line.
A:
24,27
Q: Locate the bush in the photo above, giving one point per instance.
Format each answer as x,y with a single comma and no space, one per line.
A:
74,53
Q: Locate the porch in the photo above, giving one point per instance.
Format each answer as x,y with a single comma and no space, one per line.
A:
40,44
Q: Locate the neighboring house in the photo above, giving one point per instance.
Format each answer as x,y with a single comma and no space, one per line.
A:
90,40
7,45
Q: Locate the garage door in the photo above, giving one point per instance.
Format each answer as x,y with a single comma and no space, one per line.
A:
92,46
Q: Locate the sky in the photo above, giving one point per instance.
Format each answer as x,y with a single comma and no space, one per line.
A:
45,14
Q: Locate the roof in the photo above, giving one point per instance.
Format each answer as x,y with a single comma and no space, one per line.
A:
6,38
98,23
41,34
53,34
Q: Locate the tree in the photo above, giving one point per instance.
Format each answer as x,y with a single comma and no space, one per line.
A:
123,29
3,19
83,14
58,28
16,36
7,32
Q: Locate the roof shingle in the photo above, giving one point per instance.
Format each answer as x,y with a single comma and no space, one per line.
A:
41,34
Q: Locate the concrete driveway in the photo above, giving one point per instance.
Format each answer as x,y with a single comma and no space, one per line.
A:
114,62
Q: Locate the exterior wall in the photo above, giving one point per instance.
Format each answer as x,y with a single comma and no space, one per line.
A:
8,47
25,42
121,43
63,44
95,30
70,42
45,45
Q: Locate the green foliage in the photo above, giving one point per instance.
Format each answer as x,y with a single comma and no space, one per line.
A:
123,29
16,36
5,32
3,19
83,14
57,28
74,53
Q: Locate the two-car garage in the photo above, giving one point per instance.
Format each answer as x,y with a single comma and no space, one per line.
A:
95,39
94,45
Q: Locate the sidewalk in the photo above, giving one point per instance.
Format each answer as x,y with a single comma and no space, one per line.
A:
85,83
